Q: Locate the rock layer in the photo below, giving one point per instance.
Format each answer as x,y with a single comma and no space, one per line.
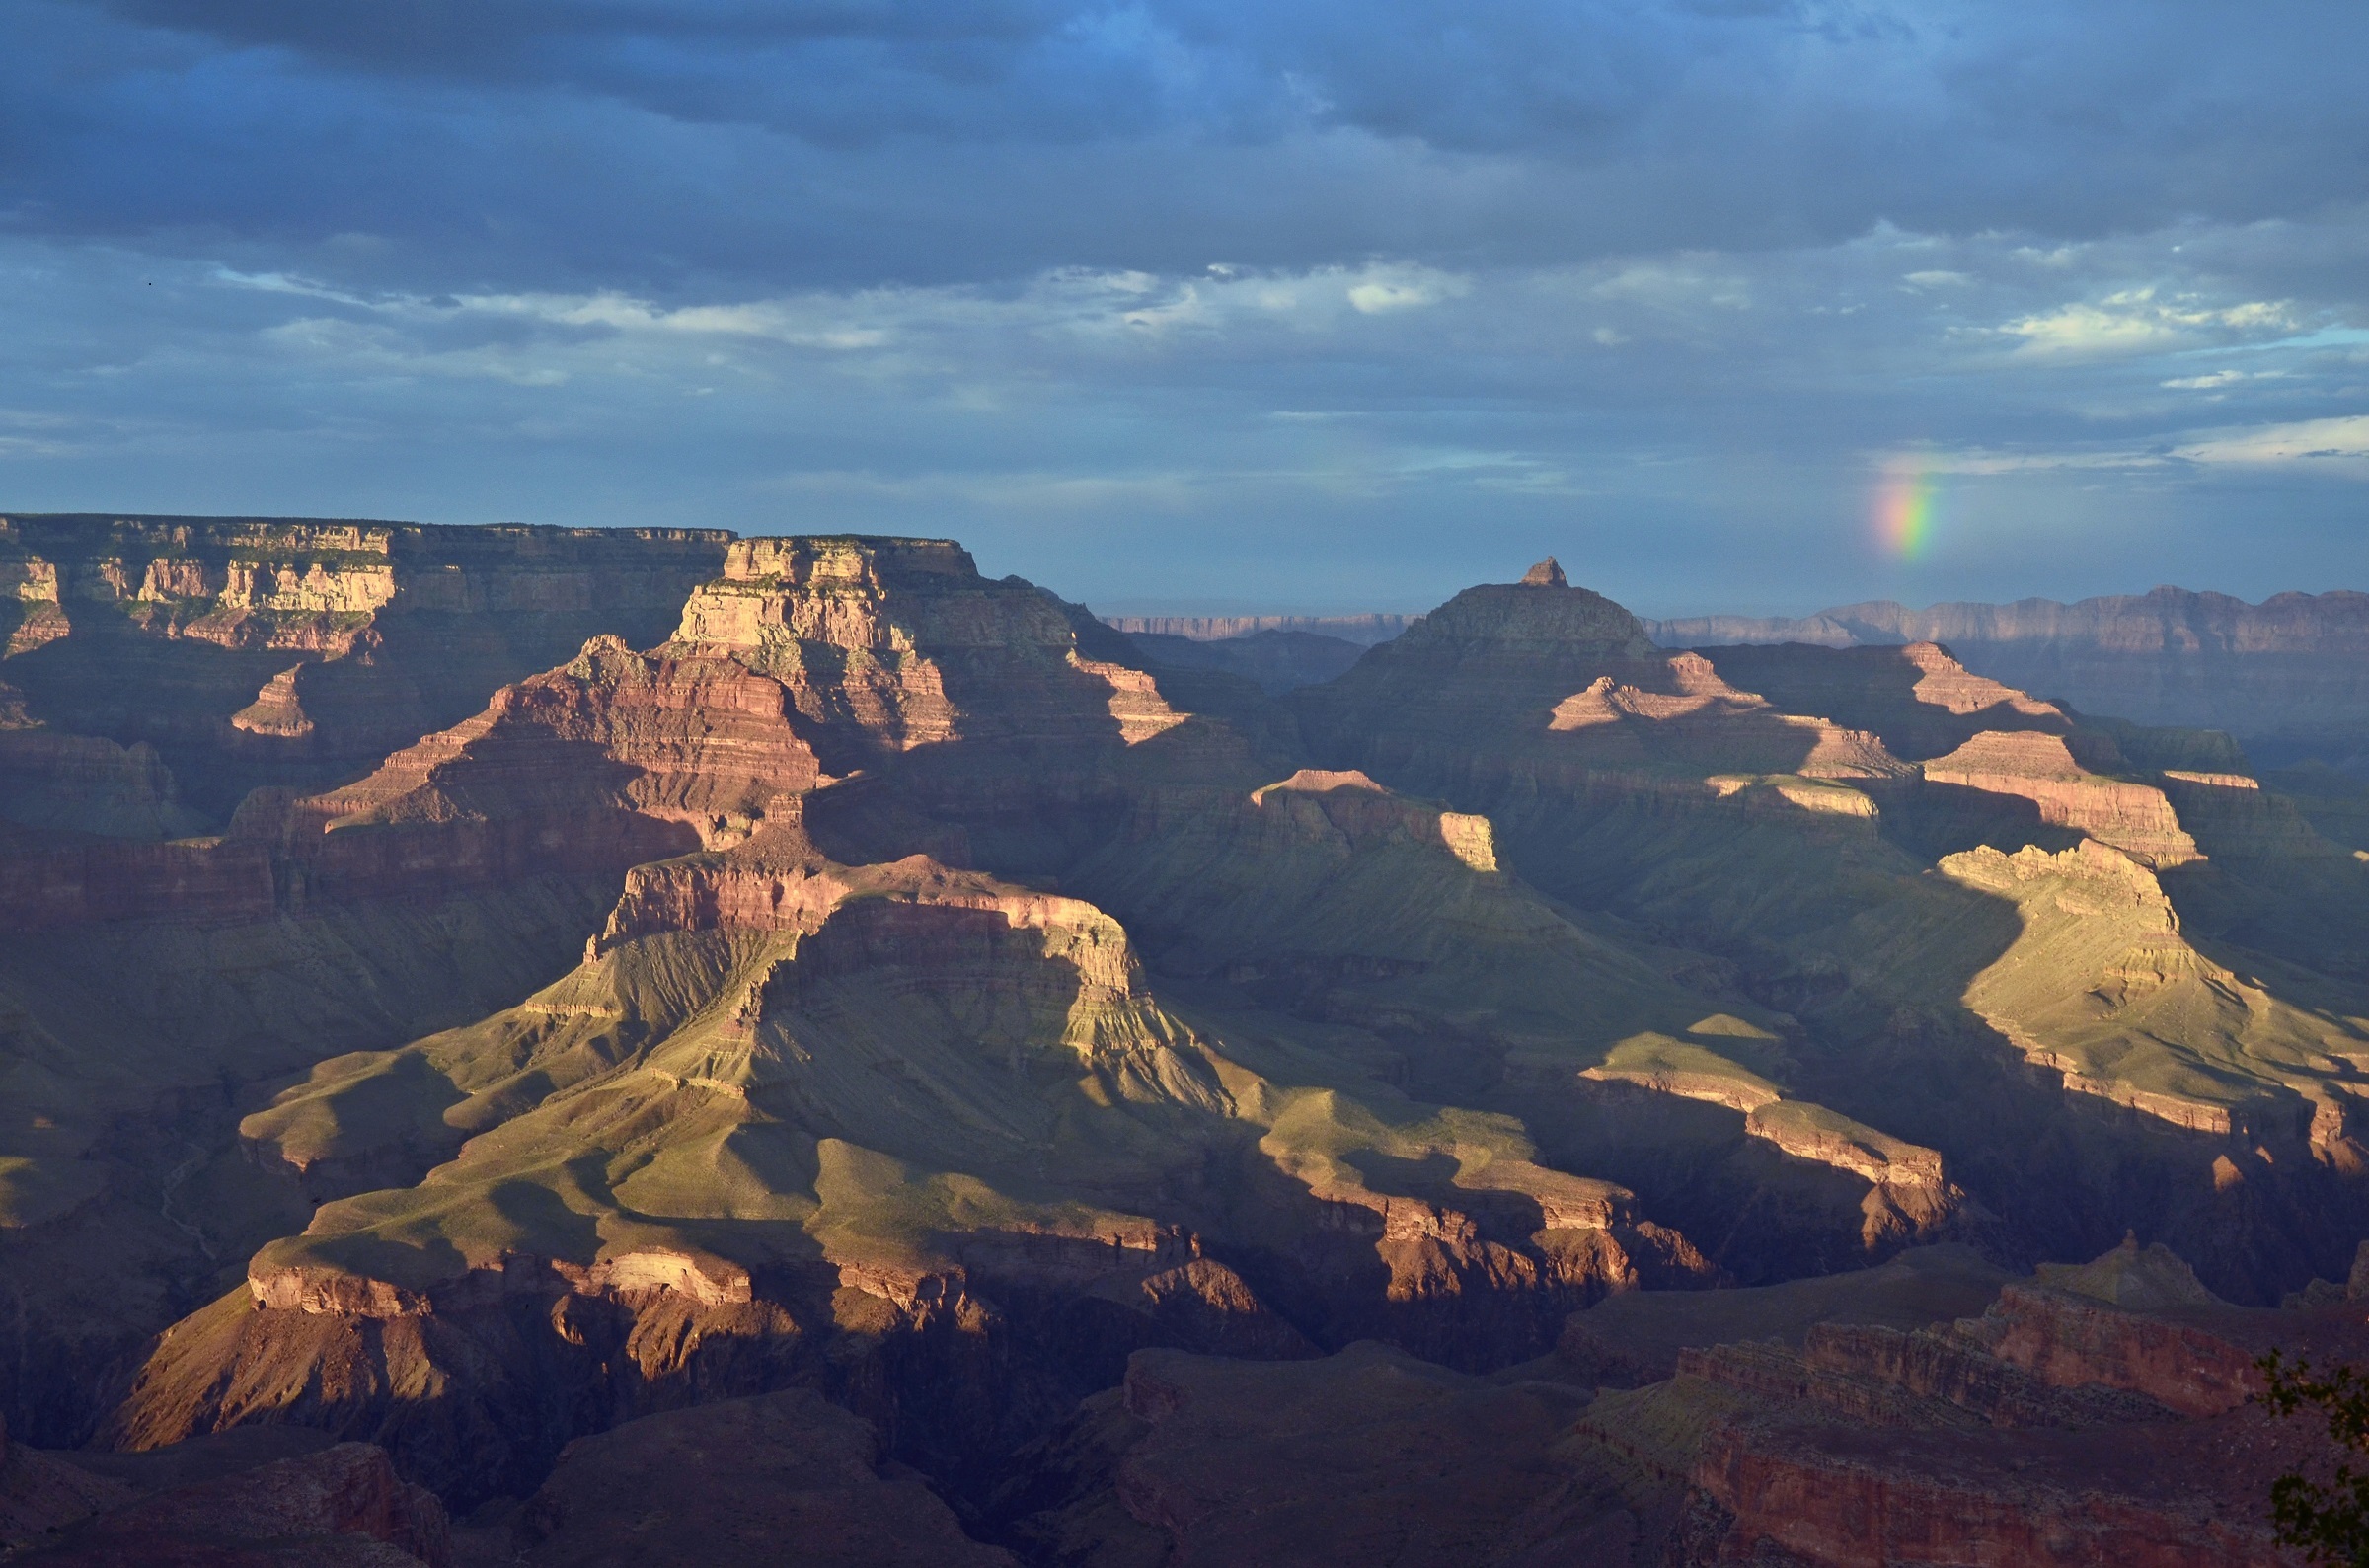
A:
2058,1428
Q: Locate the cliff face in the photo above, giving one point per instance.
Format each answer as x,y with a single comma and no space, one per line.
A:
46,884
296,653
2059,1427
888,646
2052,1424
614,759
931,1135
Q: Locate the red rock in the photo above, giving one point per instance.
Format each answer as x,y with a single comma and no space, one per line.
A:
1855,1497
2135,818
2061,1428
292,653
196,880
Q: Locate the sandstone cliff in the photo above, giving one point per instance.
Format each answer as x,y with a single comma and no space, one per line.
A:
295,652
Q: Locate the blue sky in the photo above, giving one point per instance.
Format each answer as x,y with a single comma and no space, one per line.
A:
1214,305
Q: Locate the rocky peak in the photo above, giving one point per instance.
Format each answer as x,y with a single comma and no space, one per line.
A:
2134,1277
1541,614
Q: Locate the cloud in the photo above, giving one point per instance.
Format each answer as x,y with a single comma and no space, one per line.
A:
2136,321
1979,462
1184,293
531,144
2345,440
1382,295
1677,283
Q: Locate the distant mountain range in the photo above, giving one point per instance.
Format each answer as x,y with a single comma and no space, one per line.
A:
1364,629
2289,677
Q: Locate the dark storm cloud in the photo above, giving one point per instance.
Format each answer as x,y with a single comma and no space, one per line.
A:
1216,295
808,141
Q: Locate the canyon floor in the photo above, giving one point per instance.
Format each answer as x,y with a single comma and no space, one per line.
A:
530,1045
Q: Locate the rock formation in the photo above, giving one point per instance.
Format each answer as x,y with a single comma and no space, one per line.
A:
2098,1415
811,1001
297,653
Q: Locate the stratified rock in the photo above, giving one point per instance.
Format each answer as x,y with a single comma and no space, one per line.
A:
1513,690
2098,1415
1918,697
53,881
2131,1031
614,759
82,784
2132,817
295,652
833,1137
859,976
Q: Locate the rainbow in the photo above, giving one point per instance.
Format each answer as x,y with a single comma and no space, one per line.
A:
1904,508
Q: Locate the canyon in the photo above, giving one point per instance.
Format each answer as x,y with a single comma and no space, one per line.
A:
643,1044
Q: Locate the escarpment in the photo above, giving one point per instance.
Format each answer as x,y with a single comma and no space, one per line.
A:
615,758
295,653
474,993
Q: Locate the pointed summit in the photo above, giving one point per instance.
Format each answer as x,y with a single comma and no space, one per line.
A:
1545,574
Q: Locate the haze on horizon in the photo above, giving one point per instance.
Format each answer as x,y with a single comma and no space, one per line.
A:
1195,305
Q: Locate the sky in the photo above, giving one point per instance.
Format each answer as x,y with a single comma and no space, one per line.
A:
1213,305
